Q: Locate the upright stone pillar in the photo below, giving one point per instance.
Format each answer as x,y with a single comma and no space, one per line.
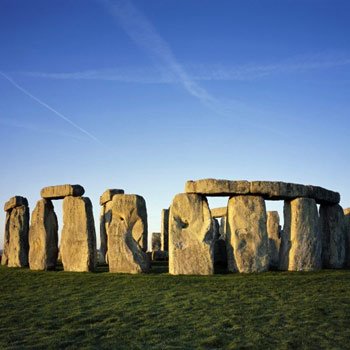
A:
5,252
273,232
43,237
333,234
106,196
164,229
16,232
302,232
347,235
220,255
156,241
191,236
126,225
78,240
247,234
103,237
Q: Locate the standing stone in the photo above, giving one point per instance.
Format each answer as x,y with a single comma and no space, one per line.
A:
5,252
164,229
333,233
78,240
126,227
347,235
302,230
103,237
191,239
43,237
273,233
156,242
247,234
220,255
285,239
18,226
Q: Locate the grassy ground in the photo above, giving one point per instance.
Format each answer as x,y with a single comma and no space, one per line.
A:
158,311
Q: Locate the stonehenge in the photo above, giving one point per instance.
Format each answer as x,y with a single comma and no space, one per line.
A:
16,243
126,227
191,236
240,237
247,234
78,240
43,237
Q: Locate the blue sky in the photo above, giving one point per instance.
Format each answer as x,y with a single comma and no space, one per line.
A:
144,95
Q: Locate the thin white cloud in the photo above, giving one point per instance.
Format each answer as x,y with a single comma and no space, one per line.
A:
202,72
60,115
143,33
13,123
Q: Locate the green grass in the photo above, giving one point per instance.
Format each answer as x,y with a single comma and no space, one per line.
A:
158,311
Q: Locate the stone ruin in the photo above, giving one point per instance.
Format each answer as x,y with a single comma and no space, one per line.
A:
246,239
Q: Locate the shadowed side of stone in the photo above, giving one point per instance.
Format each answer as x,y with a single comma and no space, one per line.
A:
103,237
191,236
4,258
126,226
347,235
164,229
62,191
247,240
78,240
43,237
273,232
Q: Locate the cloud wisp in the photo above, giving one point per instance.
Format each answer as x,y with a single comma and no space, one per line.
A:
144,34
60,115
202,72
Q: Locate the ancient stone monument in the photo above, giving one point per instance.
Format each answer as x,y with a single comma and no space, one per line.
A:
104,198
247,234
43,237
191,236
16,245
301,239
126,227
164,229
333,233
78,240
156,241
274,236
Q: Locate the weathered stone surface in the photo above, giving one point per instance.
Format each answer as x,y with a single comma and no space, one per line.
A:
164,229
140,231
18,226
14,202
103,238
43,237
5,252
333,233
62,191
78,239
218,212
246,237
271,190
222,228
214,187
301,236
156,241
108,195
273,233
126,226
191,236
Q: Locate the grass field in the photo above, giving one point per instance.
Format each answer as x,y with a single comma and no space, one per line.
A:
159,311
